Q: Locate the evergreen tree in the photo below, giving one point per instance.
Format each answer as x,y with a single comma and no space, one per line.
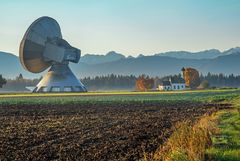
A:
2,81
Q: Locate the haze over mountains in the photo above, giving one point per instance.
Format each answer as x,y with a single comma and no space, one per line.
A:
161,64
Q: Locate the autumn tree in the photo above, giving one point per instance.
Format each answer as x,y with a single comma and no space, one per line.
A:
191,77
2,81
144,83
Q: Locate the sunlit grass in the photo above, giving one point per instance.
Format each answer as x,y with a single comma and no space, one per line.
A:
4,95
226,144
221,130
104,97
188,142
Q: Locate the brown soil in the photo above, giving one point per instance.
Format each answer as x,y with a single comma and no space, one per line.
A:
91,132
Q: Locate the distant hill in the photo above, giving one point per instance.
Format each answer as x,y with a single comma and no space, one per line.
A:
162,66
98,59
226,64
10,66
150,65
207,54
213,61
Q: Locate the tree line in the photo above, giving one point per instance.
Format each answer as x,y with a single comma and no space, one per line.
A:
17,84
110,82
123,82
221,80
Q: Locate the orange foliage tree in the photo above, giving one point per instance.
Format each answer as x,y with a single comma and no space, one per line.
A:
144,83
191,77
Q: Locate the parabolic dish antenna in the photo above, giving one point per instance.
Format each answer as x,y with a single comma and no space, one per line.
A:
42,47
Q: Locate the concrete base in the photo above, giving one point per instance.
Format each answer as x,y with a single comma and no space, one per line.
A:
60,79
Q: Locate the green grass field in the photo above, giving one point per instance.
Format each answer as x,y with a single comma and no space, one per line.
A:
98,97
226,144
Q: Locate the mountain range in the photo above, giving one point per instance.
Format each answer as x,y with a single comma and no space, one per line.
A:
161,64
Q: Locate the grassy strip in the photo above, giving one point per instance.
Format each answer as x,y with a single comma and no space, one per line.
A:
215,91
215,137
75,98
188,142
226,143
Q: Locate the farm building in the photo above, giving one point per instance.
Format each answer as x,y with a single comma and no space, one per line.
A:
172,84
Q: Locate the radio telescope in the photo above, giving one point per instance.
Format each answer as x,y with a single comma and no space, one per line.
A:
42,47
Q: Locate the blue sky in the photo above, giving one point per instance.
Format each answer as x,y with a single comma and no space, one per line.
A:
130,27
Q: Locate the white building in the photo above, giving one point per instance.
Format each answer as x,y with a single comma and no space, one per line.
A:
172,85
